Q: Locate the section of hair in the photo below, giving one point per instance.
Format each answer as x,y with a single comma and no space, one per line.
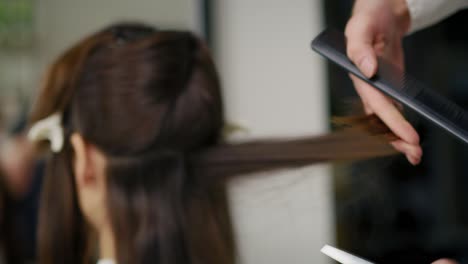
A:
361,137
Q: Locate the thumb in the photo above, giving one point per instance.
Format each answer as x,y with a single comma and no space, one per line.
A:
363,56
360,49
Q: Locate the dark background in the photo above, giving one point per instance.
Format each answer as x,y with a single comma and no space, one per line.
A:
387,210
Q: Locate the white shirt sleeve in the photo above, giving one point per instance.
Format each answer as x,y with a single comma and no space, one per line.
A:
427,12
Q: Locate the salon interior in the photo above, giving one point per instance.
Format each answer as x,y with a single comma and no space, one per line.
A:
274,86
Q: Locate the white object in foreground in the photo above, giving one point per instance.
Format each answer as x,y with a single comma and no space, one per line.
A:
342,256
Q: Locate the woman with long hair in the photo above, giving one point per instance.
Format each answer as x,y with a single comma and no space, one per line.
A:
134,117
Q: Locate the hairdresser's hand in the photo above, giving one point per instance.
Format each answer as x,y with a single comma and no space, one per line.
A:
376,28
445,261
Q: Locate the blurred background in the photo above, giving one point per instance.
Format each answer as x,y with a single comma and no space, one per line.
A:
274,86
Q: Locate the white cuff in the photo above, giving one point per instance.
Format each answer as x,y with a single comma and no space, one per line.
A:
424,13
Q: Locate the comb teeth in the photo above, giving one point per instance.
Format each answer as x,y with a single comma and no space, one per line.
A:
423,100
449,113
423,97
411,86
452,112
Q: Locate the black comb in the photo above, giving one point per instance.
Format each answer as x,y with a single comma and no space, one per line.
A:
398,85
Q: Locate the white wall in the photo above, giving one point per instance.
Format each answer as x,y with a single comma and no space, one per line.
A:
275,86
60,23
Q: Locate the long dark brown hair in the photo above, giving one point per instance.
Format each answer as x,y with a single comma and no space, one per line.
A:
150,101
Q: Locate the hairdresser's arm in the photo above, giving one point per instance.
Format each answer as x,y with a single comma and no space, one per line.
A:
377,28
